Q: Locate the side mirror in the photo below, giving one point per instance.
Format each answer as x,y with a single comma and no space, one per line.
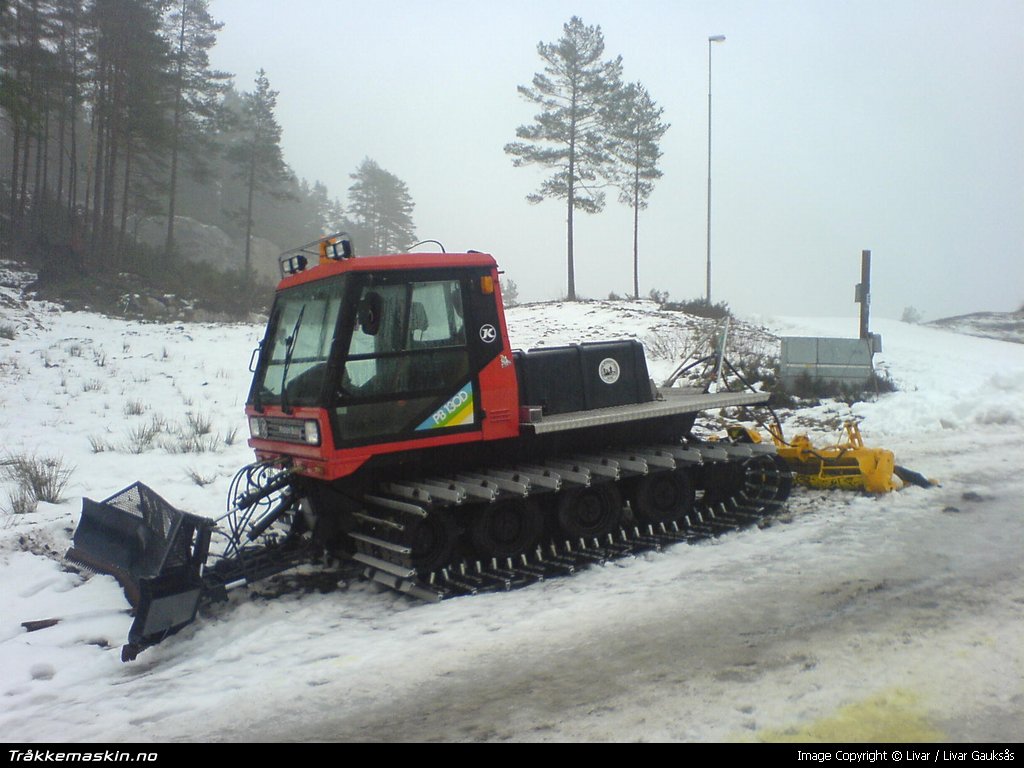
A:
369,313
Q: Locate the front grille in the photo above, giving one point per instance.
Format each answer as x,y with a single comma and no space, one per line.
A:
286,430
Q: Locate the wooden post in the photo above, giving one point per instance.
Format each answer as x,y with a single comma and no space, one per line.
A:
864,293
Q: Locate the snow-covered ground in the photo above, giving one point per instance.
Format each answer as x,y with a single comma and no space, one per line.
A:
853,618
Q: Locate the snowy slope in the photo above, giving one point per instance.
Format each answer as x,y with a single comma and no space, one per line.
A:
1005,326
856,618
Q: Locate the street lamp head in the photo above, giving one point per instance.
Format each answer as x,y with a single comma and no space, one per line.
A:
716,39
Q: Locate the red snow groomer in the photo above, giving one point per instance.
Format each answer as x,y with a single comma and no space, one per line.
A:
396,429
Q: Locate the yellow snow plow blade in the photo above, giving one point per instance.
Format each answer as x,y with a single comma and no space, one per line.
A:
848,465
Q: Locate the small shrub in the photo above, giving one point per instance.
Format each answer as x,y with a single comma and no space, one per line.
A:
668,346
100,358
700,308
697,307
142,436
186,443
8,331
199,424
755,370
806,390
199,479
882,382
134,408
75,350
658,297
43,477
231,436
92,385
140,439
21,502
911,315
99,444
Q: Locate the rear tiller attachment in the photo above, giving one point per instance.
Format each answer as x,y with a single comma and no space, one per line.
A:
850,465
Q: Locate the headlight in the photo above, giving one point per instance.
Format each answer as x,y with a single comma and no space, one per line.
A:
311,432
258,427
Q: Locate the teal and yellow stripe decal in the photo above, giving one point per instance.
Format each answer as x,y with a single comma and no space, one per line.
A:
456,411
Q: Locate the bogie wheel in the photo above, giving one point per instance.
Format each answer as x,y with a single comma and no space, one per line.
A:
721,483
588,513
506,528
663,497
433,540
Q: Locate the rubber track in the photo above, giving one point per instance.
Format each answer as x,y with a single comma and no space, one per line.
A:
561,558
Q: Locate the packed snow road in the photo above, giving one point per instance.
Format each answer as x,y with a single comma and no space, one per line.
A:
895,619
851,617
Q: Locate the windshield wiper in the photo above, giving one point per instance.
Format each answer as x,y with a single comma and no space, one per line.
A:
289,350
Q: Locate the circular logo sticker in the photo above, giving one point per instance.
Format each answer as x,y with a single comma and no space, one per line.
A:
609,370
488,333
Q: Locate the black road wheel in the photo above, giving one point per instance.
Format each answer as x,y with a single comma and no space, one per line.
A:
433,540
721,482
588,513
663,497
506,528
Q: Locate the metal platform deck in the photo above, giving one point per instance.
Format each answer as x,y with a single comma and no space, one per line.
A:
673,402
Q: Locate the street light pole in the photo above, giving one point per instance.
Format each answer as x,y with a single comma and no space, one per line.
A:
712,39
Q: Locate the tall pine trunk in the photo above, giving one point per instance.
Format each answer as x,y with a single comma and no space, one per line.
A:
571,198
248,211
124,202
13,213
636,230
175,136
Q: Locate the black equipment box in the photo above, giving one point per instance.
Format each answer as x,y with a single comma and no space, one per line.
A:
582,377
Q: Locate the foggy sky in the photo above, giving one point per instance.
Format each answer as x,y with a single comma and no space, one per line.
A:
837,127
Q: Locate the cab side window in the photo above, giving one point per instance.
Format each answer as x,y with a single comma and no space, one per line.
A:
408,348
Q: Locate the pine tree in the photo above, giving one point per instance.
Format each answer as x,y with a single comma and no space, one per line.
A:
381,209
24,100
102,102
575,92
128,106
258,155
330,215
636,132
192,32
70,25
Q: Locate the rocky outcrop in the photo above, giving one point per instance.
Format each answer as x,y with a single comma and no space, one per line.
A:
207,244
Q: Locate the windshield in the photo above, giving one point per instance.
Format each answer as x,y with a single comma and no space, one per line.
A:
304,323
